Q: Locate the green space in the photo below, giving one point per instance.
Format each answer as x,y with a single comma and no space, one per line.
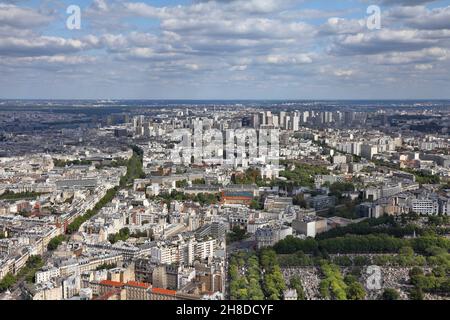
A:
107,266
63,163
296,284
379,242
202,198
181,184
247,285
75,225
257,204
27,273
250,176
8,281
55,242
405,225
273,281
333,285
199,181
256,276
112,164
437,281
338,188
423,177
134,171
302,175
122,235
134,168
236,234
9,195
372,243
390,294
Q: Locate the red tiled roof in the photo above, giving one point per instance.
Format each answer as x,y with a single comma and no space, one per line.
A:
107,295
112,283
138,284
163,291
237,198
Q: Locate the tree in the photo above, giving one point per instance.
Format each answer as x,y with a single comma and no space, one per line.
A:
338,188
181,184
122,235
291,244
416,294
243,294
55,242
299,200
406,251
256,204
75,225
199,181
390,294
28,272
349,279
344,261
361,261
106,266
245,286
296,283
236,234
324,289
355,291
295,260
7,282
416,271
439,271
254,290
273,281
250,176
334,281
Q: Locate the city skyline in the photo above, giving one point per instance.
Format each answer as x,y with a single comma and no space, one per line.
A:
238,50
221,157
201,201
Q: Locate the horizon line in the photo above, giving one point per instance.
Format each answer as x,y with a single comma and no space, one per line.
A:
218,99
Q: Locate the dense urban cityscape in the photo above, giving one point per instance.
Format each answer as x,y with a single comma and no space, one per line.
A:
224,200
224,158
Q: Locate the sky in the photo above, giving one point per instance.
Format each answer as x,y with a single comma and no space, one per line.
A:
225,49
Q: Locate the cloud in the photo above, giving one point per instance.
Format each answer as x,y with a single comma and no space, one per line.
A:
249,28
423,67
17,17
239,68
435,19
42,46
342,26
424,56
144,10
279,59
409,3
251,6
384,40
343,72
100,5
46,61
268,47
309,14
